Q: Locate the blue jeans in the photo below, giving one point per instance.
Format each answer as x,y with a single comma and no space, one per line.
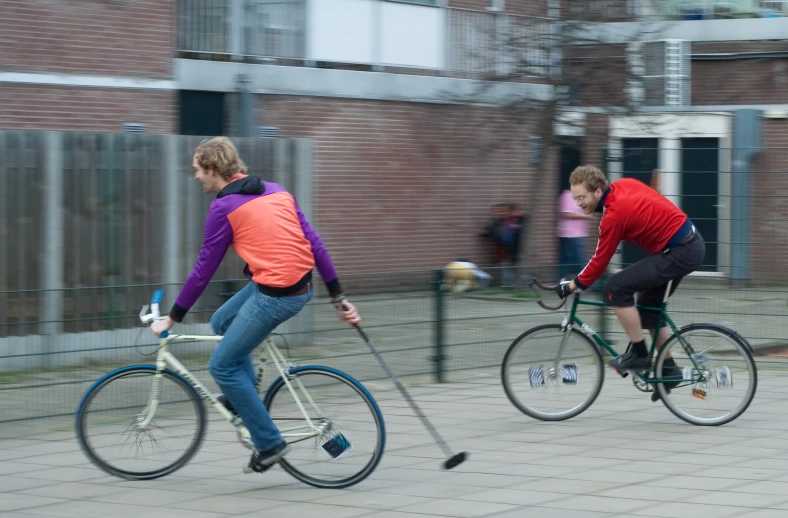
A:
572,256
245,321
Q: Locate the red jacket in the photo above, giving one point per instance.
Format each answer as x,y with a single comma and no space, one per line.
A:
633,212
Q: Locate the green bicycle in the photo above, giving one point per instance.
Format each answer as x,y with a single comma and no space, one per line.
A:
548,370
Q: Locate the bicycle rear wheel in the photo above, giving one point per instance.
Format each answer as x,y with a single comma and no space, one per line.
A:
545,386
348,438
721,387
110,416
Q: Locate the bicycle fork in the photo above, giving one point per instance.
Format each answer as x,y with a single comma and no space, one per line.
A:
555,371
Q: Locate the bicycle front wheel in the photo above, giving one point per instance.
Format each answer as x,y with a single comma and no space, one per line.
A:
114,429
343,440
718,384
546,386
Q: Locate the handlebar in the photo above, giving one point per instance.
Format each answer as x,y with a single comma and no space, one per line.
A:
154,310
535,281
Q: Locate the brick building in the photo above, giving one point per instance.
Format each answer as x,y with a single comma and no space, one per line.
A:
404,174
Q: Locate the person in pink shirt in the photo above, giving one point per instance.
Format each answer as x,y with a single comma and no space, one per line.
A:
572,235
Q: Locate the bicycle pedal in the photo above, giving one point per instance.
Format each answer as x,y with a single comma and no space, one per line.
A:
623,374
247,469
656,397
536,375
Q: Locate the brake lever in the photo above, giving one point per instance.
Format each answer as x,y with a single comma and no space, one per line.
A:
534,280
144,316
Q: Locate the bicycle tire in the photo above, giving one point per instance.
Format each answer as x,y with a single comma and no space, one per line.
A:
357,387
102,383
544,416
743,346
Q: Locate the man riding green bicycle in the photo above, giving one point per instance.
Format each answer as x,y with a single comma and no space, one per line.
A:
634,212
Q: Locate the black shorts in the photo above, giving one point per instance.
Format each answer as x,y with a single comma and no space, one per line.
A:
649,277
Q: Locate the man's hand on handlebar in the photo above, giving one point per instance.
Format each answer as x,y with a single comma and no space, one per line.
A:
565,289
159,326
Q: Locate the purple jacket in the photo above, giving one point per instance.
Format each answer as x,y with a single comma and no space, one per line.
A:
265,226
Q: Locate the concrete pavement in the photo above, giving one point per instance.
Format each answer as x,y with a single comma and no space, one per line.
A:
625,456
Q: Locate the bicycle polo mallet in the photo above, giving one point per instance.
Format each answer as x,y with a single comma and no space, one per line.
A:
454,460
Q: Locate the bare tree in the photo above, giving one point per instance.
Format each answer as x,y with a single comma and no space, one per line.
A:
587,62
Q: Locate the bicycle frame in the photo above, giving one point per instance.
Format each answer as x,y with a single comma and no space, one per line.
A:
166,359
571,319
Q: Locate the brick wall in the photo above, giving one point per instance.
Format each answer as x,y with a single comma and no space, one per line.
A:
769,206
43,107
596,10
739,81
478,5
127,38
527,7
521,7
409,186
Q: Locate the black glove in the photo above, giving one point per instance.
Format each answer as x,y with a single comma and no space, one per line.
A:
563,290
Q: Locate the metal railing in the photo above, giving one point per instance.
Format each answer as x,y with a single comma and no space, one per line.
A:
706,9
240,28
477,43
424,329
501,45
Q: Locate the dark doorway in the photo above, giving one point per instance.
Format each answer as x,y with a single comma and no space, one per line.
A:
640,158
201,113
699,192
570,158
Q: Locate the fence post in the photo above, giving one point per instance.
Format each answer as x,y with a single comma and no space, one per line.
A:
172,198
293,167
439,357
52,302
235,34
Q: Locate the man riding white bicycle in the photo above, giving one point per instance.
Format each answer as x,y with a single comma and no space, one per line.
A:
266,228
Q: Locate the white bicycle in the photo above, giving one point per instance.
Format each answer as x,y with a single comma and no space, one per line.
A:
146,421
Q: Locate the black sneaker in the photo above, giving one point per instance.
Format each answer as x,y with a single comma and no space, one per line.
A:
224,401
672,371
630,361
623,374
669,371
263,460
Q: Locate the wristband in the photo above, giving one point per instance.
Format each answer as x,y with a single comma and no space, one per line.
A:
337,299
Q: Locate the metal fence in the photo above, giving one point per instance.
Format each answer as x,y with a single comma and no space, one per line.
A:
425,331
91,224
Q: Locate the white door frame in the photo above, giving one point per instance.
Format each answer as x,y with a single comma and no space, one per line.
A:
670,128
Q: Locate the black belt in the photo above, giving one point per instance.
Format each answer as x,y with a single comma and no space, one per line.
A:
283,292
303,290
686,239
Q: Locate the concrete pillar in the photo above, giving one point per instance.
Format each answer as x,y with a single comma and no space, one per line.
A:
52,274
172,198
746,143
